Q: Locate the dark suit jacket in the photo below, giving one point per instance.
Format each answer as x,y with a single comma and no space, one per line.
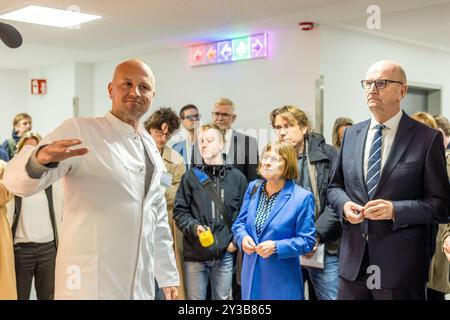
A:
414,178
243,155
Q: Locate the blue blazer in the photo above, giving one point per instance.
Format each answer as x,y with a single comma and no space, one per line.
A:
291,225
181,148
414,178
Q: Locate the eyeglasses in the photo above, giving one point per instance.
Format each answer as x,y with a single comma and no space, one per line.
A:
159,133
272,159
192,117
224,115
379,84
285,127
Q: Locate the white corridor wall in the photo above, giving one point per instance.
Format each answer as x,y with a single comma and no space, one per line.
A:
14,90
49,110
346,55
256,86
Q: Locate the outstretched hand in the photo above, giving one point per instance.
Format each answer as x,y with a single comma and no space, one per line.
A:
59,151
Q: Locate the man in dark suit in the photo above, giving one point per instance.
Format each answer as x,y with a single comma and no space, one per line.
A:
241,150
388,186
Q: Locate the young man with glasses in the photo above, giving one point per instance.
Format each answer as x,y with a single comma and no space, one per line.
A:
190,120
240,150
389,186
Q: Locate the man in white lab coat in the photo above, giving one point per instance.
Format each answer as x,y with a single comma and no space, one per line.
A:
115,238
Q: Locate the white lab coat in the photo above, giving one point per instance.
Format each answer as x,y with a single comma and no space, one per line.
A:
115,239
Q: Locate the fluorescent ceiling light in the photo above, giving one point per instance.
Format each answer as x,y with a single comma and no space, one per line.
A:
49,16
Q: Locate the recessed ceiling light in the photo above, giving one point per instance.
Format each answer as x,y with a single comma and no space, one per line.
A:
49,16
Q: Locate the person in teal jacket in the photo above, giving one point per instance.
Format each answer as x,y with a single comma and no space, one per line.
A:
274,227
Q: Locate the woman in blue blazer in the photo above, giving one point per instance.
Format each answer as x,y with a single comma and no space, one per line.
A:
274,227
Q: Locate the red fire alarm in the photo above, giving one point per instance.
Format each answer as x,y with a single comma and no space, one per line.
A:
38,86
306,26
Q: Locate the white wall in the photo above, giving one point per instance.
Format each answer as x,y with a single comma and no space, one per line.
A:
14,90
345,57
49,110
287,77
256,87
84,89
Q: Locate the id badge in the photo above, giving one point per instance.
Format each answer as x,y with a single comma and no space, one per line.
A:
166,180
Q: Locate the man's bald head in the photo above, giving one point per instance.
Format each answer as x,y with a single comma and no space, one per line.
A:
384,101
134,63
392,67
131,90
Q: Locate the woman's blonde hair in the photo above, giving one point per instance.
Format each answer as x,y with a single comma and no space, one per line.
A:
20,117
287,153
425,118
28,135
339,122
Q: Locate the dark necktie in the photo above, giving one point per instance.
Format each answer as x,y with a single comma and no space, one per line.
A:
373,168
374,163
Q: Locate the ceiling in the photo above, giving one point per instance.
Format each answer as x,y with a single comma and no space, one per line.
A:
146,25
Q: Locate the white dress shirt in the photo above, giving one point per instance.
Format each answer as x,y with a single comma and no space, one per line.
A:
388,135
228,135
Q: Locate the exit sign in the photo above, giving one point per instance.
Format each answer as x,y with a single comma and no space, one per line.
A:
223,51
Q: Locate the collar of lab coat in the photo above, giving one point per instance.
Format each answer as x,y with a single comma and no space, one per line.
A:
121,126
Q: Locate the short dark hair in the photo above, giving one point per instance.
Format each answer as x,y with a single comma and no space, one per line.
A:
187,107
160,116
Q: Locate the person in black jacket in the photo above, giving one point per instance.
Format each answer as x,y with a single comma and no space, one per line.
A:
210,196
315,160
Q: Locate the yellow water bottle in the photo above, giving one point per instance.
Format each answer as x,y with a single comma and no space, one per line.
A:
206,238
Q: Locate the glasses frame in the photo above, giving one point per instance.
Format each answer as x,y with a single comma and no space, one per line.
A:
266,157
191,116
386,81
224,115
286,129
159,133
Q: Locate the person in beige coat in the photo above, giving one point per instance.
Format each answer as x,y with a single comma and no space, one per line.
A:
446,242
161,125
438,284
7,273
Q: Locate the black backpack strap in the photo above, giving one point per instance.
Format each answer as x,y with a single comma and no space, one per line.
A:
17,209
51,209
255,187
205,181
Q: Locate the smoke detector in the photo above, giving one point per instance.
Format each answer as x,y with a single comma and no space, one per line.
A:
306,26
